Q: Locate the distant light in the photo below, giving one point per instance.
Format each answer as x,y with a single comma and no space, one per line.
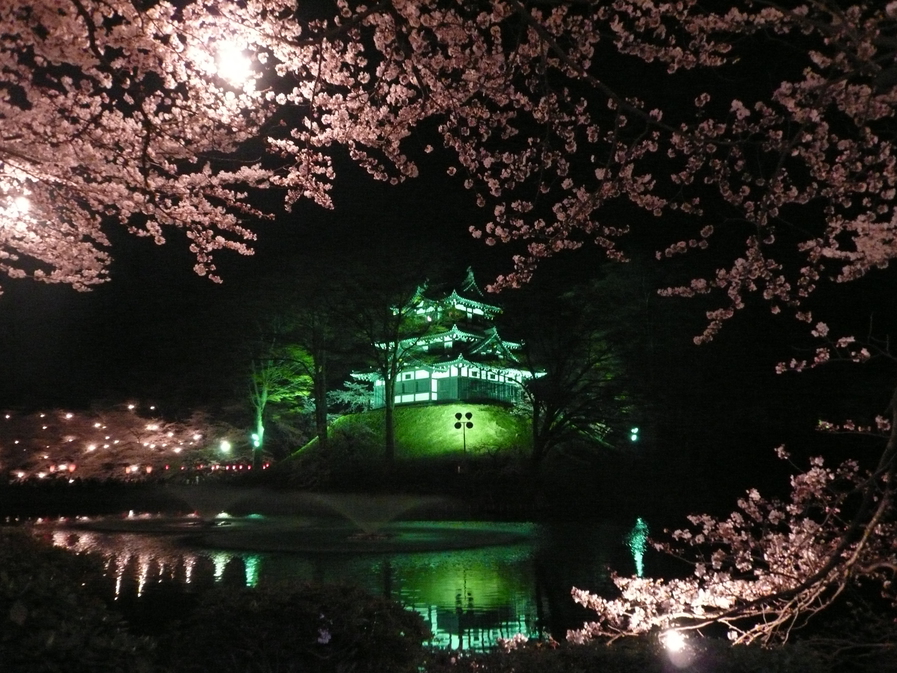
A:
225,446
633,435
130,406
69,415
197,437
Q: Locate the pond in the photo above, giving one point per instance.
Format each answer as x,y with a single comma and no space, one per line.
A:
472,581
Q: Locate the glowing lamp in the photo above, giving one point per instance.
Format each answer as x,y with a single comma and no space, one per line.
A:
673,641
233,65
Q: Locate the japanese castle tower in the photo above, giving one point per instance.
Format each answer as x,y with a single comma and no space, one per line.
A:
461,358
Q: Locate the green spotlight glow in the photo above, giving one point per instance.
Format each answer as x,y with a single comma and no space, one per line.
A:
633,435
637,539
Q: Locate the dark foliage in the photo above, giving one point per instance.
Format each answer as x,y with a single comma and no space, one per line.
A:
51,619
283,629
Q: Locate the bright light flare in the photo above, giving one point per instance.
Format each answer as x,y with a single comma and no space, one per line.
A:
233,65
673,641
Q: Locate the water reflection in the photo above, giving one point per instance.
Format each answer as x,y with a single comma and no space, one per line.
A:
469,597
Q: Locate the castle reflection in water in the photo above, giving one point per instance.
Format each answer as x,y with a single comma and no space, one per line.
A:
469,598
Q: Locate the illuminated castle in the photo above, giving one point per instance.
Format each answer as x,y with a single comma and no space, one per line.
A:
467,361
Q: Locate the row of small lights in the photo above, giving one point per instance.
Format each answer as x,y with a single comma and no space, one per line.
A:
134,469
225,447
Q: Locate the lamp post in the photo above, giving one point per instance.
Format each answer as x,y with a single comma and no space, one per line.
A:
463,423
256,445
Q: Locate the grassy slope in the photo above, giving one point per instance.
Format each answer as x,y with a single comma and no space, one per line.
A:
429,431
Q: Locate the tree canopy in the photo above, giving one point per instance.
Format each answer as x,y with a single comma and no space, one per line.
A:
565,119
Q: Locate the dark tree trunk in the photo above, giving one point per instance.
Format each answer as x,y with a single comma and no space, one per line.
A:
320,386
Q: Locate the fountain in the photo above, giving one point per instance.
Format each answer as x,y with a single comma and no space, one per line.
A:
311,523
364,523
370,513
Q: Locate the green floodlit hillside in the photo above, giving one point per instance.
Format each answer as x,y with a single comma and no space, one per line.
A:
430,430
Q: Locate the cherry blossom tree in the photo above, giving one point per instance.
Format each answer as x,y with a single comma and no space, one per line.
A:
566,120
126,442
116,114
767,568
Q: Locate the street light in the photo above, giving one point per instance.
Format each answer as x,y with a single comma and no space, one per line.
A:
225,446
21,204
256,445
233,65
462,424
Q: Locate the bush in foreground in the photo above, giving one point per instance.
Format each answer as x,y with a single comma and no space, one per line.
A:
289,628
51,619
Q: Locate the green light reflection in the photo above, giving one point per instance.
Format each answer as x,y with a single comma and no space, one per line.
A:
638,543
